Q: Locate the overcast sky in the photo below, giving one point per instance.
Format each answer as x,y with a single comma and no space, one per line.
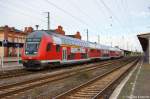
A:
117,22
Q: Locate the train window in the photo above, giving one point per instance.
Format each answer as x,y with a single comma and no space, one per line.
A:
31,48
71,56
83,55
78,49
48,47
92,50
57,48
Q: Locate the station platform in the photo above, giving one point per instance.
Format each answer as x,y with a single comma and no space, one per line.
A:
10,63
136,85
10,59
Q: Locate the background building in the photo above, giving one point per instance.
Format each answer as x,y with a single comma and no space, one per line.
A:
14,40
60,31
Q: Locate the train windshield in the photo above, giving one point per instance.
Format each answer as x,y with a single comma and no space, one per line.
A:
31,47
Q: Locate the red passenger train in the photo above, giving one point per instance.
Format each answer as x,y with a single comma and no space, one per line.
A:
44,48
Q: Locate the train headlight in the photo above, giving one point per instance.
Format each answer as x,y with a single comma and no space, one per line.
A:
35,52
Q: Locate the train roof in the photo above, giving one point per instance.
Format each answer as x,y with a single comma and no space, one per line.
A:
114,49
68,40
60,39
36,34
97,45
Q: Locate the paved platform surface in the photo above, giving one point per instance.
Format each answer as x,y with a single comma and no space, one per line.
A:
10,63
11,66
138,84
10,59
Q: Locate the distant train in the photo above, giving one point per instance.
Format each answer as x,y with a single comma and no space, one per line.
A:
46,48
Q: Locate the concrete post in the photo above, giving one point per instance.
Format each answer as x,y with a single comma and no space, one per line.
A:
148,51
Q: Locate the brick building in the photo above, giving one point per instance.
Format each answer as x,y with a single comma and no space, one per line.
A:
77,35
14,40
60,30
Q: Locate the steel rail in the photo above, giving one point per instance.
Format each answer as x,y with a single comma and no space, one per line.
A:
78,89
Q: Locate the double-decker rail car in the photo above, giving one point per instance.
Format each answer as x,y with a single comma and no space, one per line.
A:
47,48
115,52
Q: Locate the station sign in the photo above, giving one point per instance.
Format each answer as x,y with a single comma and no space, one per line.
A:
17,45
5,42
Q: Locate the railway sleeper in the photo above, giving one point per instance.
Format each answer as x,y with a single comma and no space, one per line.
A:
81,96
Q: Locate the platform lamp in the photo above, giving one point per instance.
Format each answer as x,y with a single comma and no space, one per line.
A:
18,51
37,26
2,63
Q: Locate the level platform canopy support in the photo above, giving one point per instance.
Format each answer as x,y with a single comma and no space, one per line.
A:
145,43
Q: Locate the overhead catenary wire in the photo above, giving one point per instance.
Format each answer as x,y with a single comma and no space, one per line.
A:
92,20
18,11
85,14
69,14
125,15
109,16
37,19
99,6
127,11
115,17
33,18
110,11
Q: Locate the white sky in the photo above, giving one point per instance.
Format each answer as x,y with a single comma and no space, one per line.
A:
116,21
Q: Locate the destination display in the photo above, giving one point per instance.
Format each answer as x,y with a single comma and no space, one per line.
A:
33,40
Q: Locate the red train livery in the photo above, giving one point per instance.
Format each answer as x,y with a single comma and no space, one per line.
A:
44,48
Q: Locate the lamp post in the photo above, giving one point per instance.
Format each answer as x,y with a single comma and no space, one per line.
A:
18,51
2,63
87,33
37,26
3,45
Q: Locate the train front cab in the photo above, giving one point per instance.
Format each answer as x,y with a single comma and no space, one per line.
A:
34,52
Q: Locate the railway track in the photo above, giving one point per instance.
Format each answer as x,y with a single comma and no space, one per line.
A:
23,72
8,90
14,73
95,88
